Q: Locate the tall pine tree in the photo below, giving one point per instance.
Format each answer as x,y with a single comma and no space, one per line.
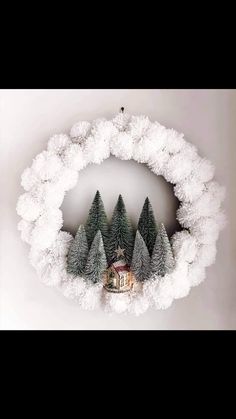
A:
162,261
96,262
97,220
78,252
141,260
147,226
120,233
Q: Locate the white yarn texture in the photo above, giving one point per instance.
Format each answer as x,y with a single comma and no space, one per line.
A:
166,153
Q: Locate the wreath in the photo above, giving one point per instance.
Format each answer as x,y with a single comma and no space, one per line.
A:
110,266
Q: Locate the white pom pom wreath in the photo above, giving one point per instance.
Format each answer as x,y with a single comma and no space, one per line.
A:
166,153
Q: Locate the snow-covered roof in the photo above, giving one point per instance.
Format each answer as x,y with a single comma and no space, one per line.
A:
121,266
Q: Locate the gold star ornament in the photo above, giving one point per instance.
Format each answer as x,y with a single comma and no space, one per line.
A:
119,252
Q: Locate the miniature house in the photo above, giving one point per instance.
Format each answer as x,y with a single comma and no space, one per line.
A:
118,277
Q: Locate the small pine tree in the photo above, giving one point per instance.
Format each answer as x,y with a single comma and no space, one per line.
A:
141,260
162,261
96,262
147,225
97,220
78,253
120,233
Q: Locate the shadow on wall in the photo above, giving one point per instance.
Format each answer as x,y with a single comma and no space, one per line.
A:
113,177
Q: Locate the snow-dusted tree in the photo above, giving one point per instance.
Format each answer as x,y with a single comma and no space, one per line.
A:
141,260
162,261
96,262
121,236
78,253
147,226
97,220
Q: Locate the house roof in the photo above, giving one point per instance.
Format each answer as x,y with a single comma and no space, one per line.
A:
121,266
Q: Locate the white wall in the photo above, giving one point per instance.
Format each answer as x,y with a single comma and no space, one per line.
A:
29,117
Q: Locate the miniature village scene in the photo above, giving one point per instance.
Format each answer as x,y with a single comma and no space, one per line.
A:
117,255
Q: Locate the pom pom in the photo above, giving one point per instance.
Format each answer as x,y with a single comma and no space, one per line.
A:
25,227
46,229
203,170
209,202
53,196
196,274
74,288
91,297
174,142
221,220
96,122
58,143
149,290
206,230
207,205
164,293
117,303
28,208
57,275
74,158
158,161
122,146
138,126
179,166
61,245
29,179
54,274
79,131
189,151
52,218
206,255
158,134
186,215
49,195
46,165
184,246
95,153
104,131
189,190
43,237
146,147
159,292
38,258
180,281
121,121
139,305
67,179
216,191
